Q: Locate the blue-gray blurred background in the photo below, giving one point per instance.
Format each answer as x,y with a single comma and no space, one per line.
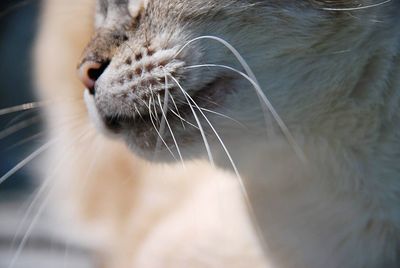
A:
20,131
25,237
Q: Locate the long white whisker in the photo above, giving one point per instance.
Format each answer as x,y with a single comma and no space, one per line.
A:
230,47
241,181
222,115
137,111
204,109
28,232
32,105
261,94
27,160
162,125
22,115
233,50
36,217
177,110
21,107
183,119
32,204
12,8
144,103
158,133
169,127
45,185
203,135
19,126
216,134
173,100
356,8
21,142
156,117
251,77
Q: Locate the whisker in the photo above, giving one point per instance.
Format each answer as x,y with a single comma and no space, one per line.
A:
233,50
19,126
155,110
252,78
173,100
19,117
21,107
227,45
27,160
161,129
158,133
14,7
356,8
164,109
241,181
46,184
162,124
137,111
222,115
144,103
157,118
21,142
184,120
177,110
203,135
169,127
215,132
31,206
299,152
28,232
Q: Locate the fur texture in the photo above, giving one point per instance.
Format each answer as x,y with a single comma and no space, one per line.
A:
132,213
330,68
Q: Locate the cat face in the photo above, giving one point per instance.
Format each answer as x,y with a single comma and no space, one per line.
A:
158,80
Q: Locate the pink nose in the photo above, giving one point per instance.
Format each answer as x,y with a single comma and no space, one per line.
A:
89,72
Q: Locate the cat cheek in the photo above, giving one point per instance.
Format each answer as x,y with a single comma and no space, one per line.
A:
98,20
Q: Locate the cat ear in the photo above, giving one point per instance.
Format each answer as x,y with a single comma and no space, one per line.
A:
136,6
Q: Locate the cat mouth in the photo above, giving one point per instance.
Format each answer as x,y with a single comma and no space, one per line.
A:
143,129
208,96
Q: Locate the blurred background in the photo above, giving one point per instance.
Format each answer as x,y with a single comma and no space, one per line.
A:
26,239
20,132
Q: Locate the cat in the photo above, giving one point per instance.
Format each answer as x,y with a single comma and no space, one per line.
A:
312,133
131,213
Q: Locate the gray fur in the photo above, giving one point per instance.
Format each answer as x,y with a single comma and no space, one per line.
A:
329,68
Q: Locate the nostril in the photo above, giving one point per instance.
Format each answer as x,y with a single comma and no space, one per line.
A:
95,73
90,71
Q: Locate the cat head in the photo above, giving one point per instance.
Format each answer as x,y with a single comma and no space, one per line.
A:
165,75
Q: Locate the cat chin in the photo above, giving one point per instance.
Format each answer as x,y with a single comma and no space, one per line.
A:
147,145
95,116
142,139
